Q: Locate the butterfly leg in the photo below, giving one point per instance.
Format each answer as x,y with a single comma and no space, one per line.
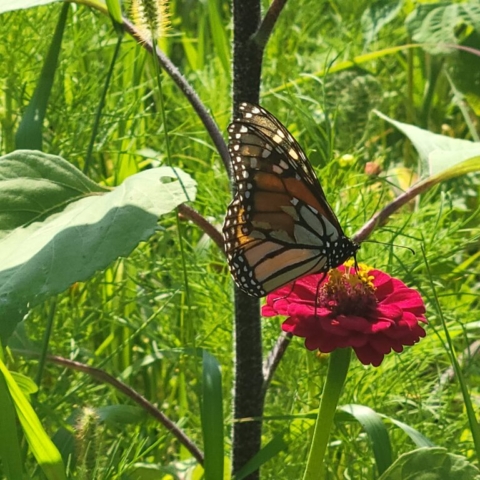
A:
288,294
318,290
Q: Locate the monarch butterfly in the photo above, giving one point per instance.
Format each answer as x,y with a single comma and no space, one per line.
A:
279,226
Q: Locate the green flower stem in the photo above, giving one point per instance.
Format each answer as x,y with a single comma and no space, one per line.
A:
337,372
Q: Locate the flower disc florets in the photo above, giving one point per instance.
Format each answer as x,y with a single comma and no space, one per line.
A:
365,309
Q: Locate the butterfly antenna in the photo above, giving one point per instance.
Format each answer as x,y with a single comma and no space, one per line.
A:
385,243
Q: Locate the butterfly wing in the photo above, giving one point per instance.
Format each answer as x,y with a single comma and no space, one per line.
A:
279,226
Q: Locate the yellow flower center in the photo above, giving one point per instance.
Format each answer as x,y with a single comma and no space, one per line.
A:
349,292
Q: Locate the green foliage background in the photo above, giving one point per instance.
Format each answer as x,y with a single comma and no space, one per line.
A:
103,321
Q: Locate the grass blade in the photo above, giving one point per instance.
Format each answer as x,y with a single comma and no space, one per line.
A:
419,439
272,448
212,418
43,449
9,445
29,133
377,432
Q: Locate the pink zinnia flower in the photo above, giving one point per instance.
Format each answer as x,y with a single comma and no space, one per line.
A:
366,309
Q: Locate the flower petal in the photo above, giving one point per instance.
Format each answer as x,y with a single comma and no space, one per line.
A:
346,312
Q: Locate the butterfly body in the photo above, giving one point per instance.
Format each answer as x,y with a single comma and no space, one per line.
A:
279,226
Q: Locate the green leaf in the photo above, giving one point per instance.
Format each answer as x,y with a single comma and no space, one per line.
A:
419,439
44,258
26,384
468,166
43,449
376,16
29,133
10,452
10,5
437,152
373,425
431,464
441,24
115,12
272,448
212,417
34,185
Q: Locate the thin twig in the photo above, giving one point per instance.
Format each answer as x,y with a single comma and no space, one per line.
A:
268,23
105,377
273,360
189,92
203,223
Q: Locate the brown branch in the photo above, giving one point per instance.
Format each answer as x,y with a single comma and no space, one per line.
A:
268,23
105,377
273,360
203,223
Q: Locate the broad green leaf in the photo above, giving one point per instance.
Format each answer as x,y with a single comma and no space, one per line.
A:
212,417
10,5
30,130
468,166
34,185
431,464
43,449
437,152
376,16
437,24
10,452
377,433
44,258
270,450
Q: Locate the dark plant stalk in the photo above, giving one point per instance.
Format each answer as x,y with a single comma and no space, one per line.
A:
106,378
101,104
248,399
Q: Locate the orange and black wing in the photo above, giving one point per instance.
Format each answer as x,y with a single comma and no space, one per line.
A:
279,226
